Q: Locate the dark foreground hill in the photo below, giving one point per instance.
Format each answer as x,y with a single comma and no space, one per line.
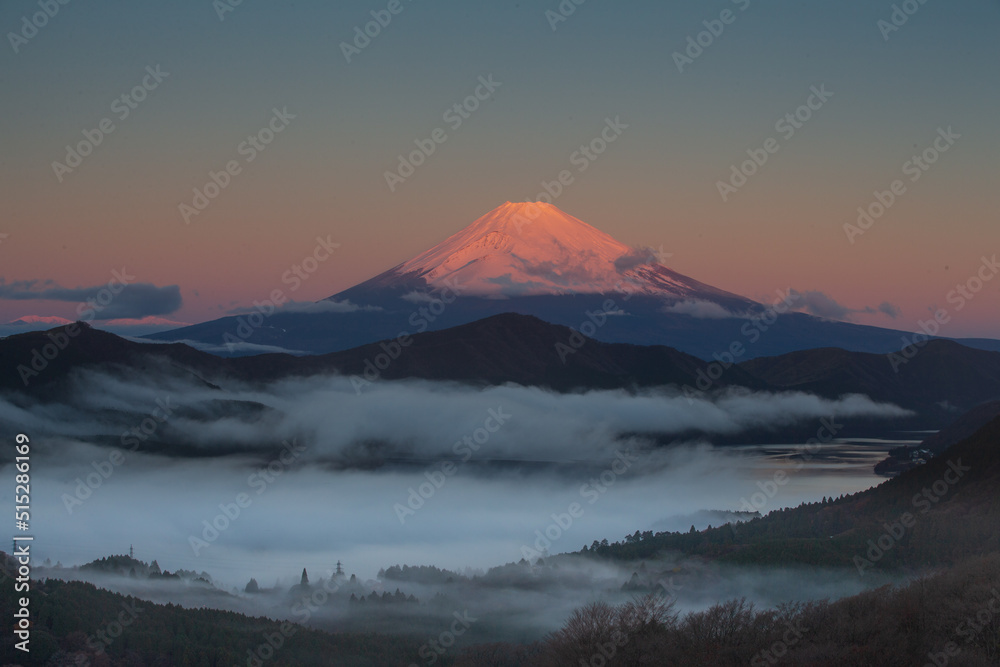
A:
906,457
949,618
75,623
933,515
952,617
962,428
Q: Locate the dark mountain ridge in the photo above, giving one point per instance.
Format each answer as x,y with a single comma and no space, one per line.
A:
942,381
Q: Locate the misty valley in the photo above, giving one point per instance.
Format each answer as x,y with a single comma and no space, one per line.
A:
439,520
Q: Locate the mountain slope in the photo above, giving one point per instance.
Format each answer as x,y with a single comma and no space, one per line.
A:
70,627
534,259
532,249
496,350
953,499
908,456
34,361
943,377
963,427
528,351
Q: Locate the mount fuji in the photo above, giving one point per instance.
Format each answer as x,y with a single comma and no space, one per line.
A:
535,249
534,259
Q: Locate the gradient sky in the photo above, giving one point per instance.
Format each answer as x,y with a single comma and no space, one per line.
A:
655,186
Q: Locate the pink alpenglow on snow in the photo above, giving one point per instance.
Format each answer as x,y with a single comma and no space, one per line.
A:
532,249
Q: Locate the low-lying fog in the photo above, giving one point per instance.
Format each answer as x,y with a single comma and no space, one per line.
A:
415,473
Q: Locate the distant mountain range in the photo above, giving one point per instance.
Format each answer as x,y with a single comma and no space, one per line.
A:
534,259
944,376
503,348
941,382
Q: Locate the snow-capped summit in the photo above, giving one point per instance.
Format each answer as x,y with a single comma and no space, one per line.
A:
534,249
533,259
